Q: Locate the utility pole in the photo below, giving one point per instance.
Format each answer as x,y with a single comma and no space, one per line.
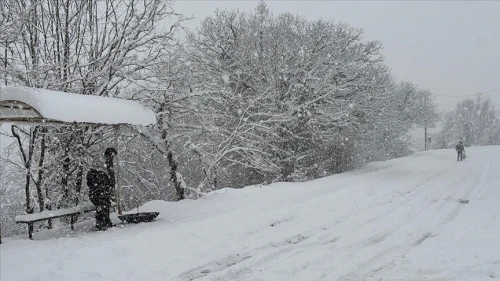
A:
425,137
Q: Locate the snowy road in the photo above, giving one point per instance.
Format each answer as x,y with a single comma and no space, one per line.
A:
395,220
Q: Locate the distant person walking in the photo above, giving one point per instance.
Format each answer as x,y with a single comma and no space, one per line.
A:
460,150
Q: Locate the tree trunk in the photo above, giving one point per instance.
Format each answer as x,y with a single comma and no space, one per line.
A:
39,184
78,188
172,162
48,207
29,209
26,161
65,178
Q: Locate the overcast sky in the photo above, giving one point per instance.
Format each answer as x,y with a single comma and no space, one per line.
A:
449,47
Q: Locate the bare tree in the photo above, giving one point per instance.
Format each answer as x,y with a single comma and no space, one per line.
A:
475,122
83,47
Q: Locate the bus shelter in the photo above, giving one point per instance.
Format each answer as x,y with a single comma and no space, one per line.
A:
34,106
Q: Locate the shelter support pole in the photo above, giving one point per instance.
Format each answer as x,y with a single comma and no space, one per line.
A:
425,138
118,192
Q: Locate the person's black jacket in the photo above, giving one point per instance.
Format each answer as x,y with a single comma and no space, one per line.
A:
99,187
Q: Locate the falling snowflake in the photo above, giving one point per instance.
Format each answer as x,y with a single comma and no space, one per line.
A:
225,78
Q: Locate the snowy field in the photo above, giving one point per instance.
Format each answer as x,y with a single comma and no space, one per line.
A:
394,220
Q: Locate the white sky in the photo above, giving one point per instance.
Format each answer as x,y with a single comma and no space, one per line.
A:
449,47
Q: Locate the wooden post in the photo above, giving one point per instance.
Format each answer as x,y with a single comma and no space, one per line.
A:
425,137
117,172
30,230
73,220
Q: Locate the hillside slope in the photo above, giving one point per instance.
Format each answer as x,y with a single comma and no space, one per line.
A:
394,220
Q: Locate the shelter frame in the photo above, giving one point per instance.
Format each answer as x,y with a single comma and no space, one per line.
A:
15,110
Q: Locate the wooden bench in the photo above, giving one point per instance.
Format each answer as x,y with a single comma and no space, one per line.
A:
52,214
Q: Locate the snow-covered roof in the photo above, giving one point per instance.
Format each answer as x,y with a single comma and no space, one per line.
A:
24,104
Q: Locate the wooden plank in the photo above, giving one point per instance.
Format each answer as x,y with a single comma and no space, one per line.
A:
32,222
48,214
73,215
54,217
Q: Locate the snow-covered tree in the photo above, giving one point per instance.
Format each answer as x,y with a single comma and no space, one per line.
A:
475,122
281,94
87,47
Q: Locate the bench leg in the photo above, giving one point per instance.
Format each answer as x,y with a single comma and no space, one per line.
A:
30,231
73,217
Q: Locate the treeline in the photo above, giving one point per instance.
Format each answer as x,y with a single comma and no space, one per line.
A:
247,98
474,121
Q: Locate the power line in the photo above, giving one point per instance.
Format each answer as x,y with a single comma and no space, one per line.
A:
468,95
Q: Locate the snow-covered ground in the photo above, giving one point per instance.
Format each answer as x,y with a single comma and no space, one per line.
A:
394,220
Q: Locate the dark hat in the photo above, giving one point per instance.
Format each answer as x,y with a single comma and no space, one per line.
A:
110,151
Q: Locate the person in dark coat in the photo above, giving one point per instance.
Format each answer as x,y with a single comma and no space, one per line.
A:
100,195
460,150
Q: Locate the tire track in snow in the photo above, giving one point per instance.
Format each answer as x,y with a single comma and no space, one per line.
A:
294,244
216,266
379,237
358,218
334,235
387,260
392,207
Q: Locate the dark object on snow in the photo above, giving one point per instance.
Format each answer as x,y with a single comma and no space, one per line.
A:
139,217
463,201
460,151
100,195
